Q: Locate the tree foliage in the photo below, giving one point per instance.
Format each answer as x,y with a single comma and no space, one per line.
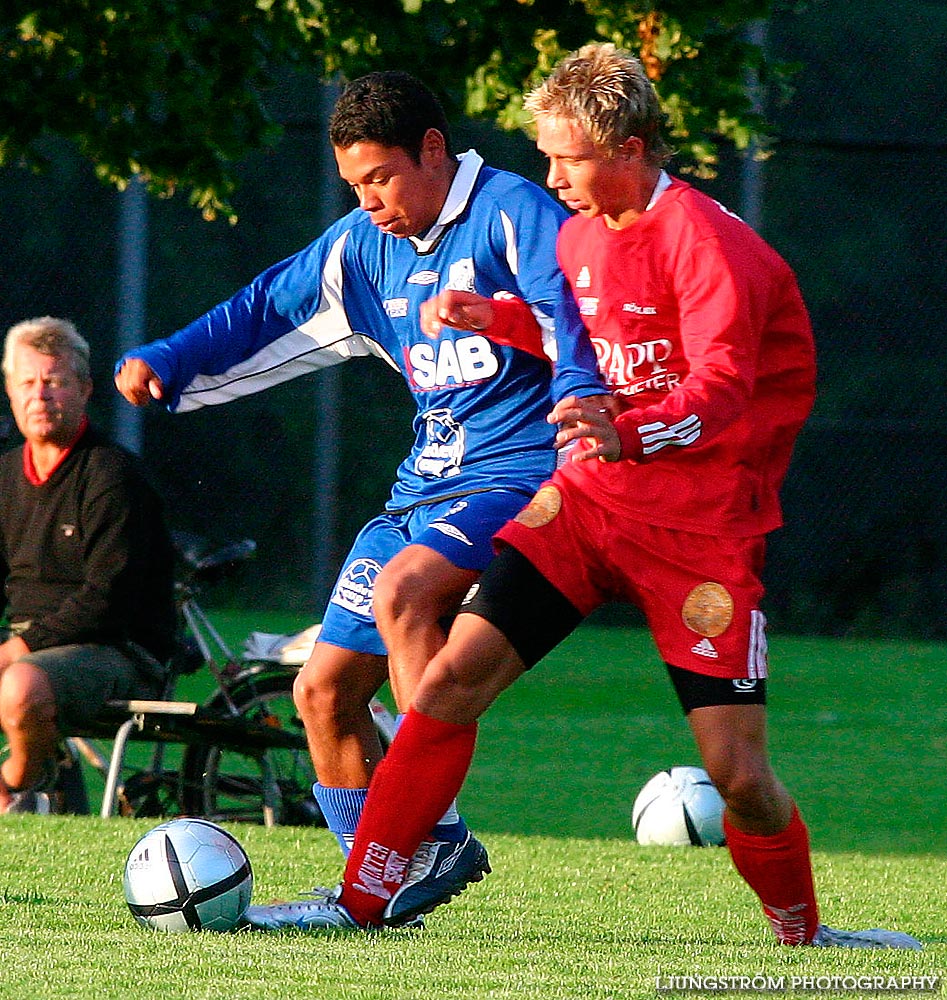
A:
174,90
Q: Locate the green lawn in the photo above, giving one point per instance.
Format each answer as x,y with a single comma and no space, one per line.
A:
574,908
858,732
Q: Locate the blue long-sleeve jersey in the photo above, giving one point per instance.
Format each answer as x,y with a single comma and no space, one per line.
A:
357,291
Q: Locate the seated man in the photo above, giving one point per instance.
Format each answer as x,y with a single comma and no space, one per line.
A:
86,562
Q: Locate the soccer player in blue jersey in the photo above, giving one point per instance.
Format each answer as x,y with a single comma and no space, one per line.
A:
427,221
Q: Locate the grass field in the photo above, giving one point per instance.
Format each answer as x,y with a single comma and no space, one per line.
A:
575,908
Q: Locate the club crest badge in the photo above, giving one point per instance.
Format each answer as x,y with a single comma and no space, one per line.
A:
356,586
708,609
544,506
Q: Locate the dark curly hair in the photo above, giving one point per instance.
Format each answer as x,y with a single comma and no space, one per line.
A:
391,108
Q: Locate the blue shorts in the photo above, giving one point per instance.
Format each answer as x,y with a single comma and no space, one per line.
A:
460,529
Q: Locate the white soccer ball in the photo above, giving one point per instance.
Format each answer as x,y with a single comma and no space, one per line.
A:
188,875
679,806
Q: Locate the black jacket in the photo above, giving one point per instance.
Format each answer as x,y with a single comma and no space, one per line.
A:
86,556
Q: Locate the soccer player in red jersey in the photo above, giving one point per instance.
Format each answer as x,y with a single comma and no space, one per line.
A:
666,501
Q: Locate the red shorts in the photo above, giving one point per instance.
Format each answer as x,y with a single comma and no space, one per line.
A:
700,594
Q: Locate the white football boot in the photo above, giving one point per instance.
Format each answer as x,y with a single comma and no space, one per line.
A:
323,911
828,937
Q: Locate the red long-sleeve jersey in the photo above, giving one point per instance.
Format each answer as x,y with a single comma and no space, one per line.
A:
701,332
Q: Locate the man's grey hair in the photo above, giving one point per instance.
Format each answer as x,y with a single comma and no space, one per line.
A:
606,91
58,338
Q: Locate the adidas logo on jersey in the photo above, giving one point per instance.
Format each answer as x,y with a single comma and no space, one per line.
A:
583,278
705,648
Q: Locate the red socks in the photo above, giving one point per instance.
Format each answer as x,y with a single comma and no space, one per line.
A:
410,791
778,869
424,770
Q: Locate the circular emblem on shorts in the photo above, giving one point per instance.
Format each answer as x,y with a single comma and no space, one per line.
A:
542,508
708,609
356,586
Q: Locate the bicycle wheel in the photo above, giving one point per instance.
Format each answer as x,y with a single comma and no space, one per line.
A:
251,785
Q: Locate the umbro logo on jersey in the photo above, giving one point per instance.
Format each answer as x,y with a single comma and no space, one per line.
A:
705,648
583,278
451,530
423,278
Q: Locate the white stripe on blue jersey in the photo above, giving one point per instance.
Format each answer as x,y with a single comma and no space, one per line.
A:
356,291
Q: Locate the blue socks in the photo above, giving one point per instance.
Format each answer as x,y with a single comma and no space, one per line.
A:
341,808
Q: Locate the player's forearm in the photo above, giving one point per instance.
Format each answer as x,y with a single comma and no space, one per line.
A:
691,416
576,371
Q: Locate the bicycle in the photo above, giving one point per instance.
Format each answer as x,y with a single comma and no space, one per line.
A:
245,756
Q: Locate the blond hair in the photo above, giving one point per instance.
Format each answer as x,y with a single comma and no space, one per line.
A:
58,338
605,91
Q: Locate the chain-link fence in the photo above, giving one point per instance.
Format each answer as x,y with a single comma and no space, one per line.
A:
853,198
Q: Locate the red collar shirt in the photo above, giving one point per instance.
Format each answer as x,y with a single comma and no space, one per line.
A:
701,332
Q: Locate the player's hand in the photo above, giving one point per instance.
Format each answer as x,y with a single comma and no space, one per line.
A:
138,383
590,417
463,310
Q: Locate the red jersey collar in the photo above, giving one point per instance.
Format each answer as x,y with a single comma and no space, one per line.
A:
29,469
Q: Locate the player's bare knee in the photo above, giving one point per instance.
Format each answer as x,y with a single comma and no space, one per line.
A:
445,688
319,698
387,597
747,786
459,685
446,673
11,715
403,594
302,693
